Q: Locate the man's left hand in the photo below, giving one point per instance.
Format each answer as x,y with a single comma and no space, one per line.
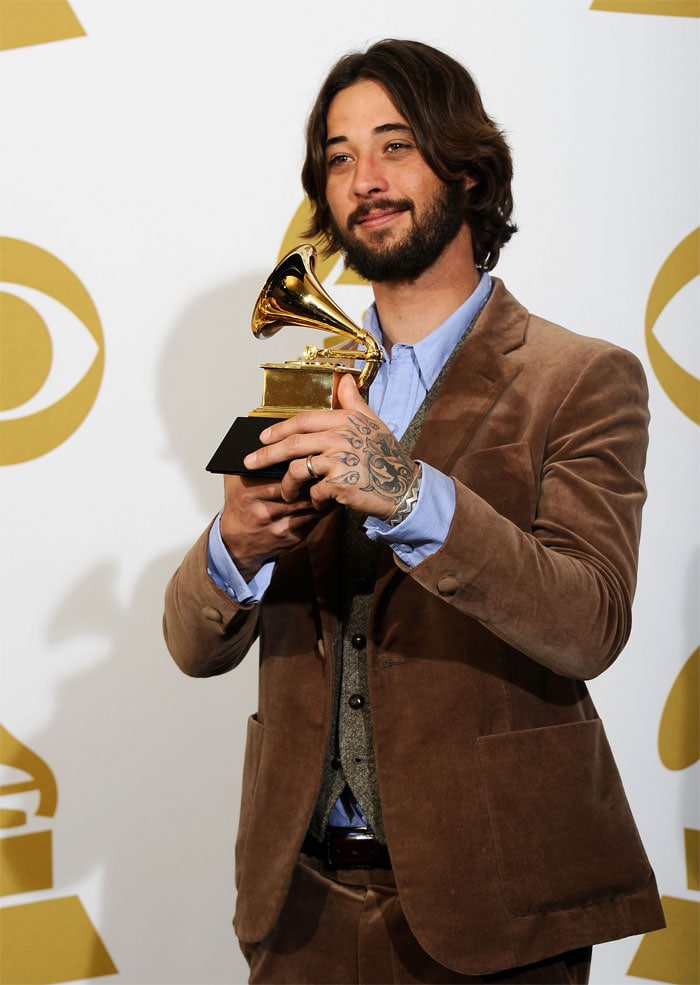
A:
347,455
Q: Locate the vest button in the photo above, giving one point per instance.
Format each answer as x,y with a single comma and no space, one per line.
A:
358,641
335,763
356,701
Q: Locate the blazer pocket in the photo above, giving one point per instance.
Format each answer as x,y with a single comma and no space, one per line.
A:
251,766
562,829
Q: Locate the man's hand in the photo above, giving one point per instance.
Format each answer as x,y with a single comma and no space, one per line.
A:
350,455
258,524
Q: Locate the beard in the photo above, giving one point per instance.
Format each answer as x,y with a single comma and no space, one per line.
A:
406,260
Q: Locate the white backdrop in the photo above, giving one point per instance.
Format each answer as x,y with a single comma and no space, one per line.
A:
150,158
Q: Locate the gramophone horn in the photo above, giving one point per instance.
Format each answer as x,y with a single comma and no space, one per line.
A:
293,295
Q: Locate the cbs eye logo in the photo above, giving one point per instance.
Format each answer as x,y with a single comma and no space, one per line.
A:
51,352
678,271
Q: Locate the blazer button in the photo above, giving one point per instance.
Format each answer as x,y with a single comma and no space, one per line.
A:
356,701
212,614
358,641
448,585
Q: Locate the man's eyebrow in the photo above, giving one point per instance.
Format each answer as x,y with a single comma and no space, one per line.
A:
383,128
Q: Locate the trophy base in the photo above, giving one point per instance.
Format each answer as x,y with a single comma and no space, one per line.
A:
242,438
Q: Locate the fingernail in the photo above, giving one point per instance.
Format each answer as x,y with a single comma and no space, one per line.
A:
264,435
249,460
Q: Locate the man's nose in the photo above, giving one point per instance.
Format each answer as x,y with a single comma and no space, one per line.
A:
369,176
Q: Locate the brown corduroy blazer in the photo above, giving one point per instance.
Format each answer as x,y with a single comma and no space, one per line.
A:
509,831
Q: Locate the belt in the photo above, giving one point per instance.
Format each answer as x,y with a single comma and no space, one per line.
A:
348,848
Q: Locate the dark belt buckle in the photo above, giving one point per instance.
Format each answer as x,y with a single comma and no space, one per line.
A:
354,849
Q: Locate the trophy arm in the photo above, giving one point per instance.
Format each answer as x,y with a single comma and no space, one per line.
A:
372,360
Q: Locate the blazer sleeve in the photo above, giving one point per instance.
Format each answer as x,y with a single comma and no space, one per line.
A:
205,630
559,587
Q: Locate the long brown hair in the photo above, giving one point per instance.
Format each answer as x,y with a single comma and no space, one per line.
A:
440,100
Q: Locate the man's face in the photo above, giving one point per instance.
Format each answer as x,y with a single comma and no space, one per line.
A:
392,214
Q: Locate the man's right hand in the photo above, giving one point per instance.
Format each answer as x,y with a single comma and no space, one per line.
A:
258,526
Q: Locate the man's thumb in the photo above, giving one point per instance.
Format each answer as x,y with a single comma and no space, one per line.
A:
348,394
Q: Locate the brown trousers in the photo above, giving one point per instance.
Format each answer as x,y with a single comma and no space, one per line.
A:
344,927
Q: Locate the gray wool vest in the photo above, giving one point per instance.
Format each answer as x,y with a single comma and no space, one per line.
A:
350,754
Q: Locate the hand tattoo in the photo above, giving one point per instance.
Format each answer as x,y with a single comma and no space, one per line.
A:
388,468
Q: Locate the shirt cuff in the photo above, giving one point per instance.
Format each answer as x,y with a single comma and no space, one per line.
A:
222,570
425,529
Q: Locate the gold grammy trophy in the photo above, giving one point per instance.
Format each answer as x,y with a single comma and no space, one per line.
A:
292,295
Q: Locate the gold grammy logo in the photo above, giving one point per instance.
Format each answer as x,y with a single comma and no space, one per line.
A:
323,266
673,954
29,22
50,940
661,8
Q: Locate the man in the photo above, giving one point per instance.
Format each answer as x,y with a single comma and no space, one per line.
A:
428,793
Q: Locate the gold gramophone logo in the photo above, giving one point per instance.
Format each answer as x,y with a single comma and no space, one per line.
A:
46,940
324,266
673,954
28,22
660,8
38,290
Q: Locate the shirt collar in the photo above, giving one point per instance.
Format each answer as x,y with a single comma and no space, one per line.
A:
431,352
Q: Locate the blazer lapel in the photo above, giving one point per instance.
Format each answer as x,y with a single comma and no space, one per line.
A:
324,545
481,371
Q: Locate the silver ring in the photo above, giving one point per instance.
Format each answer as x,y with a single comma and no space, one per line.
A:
310,468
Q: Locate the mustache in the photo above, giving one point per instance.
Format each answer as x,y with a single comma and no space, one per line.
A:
378,205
